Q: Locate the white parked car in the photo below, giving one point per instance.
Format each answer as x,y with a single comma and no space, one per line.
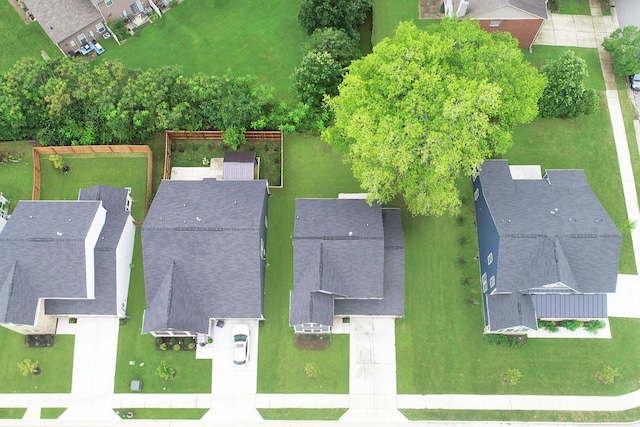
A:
635,81
240,344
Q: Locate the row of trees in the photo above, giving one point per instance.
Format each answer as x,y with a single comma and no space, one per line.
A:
66,101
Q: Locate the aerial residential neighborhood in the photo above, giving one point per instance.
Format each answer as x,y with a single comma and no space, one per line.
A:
327,211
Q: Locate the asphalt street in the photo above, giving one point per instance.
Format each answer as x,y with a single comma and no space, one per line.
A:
628,12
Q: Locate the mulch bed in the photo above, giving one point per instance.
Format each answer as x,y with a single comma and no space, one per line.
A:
312,342
170,342
39,340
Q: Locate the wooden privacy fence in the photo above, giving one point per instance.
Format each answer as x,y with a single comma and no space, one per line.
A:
170,135
92,149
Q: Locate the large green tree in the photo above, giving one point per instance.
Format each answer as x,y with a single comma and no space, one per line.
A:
624,46
427,107
345,15
565,94
317,76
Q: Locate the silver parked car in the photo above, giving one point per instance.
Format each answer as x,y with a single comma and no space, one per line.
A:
635,81
240,344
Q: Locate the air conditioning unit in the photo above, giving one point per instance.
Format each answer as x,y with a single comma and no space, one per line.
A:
106,35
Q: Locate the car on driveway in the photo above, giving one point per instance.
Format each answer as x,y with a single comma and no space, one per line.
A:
240,344
635,81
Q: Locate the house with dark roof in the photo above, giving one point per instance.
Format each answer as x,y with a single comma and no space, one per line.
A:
72,24
547,247
348,260
204,248
63,259
523,19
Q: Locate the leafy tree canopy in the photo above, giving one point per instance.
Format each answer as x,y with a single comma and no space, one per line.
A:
318,75
337,43
346,15
565,94
624,46
425,107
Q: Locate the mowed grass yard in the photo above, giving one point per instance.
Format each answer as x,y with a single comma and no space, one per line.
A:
19,40
248,37
311,170
16,179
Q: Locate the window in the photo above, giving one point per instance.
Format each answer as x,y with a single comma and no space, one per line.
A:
108,2
494,23
92,35
82,38
263,252
484,282
490,258
492,281
100,27
266,223
476,194
73,43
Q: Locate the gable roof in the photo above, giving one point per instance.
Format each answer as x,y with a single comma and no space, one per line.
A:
340,254
42,255
238,165
201,248
551,230
63,18
537,8
113,199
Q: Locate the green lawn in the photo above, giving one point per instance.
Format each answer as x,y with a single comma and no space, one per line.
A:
330,414
193,376
55,362
51,413
387,14
17,178
247,37
19,40
163,413
118,170
574,7
450,355
314,170
12,413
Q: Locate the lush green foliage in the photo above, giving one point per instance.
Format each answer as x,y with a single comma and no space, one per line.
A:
165,371
311,369
345,15
624,46
512,376
571,324
318,76
27,367
337,43
565,94
607,375
426,107
626,227
505,340
593,326
68,102
57,160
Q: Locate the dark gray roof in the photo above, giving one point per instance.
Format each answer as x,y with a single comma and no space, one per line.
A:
551,230
476,7
340,252
510,310
581,306
238,165
201,248
63,18
113,199
42,255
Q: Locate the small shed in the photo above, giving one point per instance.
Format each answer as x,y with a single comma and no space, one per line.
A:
239,166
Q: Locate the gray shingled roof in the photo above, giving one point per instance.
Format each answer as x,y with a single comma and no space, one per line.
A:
113,199
201,248
476,7
551,230
340,252
42,255
63,18
238,165
511,310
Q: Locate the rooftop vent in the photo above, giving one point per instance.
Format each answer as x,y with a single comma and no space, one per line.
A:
350,233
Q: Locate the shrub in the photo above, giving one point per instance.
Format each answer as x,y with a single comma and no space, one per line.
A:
57,160
165,371
470,301
163,346
607,375
119,29
191,345
461,260
571,324
463,240
317,76
461,219
549,325
626,227
594,326
27,366
512,376
233,137
176,347
311,369
495,339
173,341
624,46
465,281
346,15
337,43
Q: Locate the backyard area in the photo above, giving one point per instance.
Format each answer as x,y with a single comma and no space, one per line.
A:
17,176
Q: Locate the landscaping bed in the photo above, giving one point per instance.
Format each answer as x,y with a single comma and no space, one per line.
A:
39,340
175,343
312,341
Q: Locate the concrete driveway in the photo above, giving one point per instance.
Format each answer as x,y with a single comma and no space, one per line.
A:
233,387
626,301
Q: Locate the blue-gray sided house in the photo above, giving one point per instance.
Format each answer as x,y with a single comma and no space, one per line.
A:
61,259
204,248
348,260
547,247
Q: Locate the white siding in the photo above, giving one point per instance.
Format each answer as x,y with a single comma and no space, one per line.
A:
89,246
124,255
505,12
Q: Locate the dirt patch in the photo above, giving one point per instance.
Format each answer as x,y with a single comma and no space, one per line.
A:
312,342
